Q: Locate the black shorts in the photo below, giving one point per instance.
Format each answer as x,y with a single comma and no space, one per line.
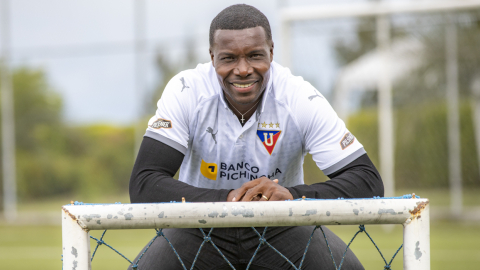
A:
239,244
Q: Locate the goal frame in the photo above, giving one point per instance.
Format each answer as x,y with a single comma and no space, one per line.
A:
382,10
413,214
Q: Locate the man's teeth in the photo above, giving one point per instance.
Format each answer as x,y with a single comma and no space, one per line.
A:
242,85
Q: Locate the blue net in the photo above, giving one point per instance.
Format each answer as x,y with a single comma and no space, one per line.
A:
262,242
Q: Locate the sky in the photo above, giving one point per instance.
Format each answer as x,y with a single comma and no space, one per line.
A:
87,48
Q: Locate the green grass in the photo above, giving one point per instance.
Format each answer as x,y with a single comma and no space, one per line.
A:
30,247
441,197
453,245
437,197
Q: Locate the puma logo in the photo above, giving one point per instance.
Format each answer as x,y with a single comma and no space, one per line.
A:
210,130
183,82
314,96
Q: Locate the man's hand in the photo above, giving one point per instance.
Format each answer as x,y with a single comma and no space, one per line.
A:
258,189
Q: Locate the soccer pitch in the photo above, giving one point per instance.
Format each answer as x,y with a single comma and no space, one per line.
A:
453,246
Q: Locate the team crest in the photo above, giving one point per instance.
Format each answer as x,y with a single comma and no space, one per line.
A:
269,138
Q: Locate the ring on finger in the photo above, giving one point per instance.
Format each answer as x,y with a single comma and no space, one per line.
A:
265,197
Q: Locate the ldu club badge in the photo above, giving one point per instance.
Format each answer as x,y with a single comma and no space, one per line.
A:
269,138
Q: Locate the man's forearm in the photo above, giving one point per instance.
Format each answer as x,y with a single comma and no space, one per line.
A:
155,187
152,177
359,179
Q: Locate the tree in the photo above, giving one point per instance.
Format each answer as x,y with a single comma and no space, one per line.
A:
55,158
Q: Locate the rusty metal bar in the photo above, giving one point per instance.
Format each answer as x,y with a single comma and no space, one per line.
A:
79,219
75,244
416,239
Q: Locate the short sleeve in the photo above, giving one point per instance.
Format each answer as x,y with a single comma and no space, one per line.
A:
327,139
170,124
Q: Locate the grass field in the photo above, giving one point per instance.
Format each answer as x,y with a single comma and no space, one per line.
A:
454,245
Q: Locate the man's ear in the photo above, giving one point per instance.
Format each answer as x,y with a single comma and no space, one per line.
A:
271,52
211,56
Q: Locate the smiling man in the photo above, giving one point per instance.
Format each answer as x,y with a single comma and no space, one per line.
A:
238,128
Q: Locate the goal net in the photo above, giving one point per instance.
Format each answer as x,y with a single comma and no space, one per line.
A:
413,213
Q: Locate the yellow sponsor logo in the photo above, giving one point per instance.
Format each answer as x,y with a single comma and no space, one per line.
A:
209,170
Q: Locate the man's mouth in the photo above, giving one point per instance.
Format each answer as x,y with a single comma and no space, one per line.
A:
239,85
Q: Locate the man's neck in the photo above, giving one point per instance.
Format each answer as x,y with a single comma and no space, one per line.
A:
244,111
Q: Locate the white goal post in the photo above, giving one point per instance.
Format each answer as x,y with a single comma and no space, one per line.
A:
78,220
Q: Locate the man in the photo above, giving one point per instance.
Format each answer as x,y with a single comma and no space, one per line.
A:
240,127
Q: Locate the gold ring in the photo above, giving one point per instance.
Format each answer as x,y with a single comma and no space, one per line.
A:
265,197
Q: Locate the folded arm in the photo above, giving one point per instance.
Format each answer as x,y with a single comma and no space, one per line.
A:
152,180
152,177
358,179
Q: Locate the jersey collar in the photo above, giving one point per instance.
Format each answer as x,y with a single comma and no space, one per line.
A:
267,89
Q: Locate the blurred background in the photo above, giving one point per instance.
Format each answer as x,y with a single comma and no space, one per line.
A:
80,79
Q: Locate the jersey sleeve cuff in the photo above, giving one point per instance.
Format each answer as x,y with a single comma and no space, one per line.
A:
344,162
293,192
175,145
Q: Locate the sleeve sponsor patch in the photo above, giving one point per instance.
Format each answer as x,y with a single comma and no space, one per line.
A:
161,123
347,140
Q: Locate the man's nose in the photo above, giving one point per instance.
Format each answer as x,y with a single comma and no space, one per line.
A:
243,68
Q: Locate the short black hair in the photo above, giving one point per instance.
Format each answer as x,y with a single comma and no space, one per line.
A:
239,17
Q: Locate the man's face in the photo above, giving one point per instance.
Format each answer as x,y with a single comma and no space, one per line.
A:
242,61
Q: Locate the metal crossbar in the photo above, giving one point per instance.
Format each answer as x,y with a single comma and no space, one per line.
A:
416,226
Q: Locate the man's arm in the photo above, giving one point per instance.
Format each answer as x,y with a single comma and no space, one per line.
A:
358,179
152,177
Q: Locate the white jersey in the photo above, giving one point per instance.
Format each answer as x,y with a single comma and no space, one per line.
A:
293,119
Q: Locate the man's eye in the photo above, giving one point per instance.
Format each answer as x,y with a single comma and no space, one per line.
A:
256,55
227,58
